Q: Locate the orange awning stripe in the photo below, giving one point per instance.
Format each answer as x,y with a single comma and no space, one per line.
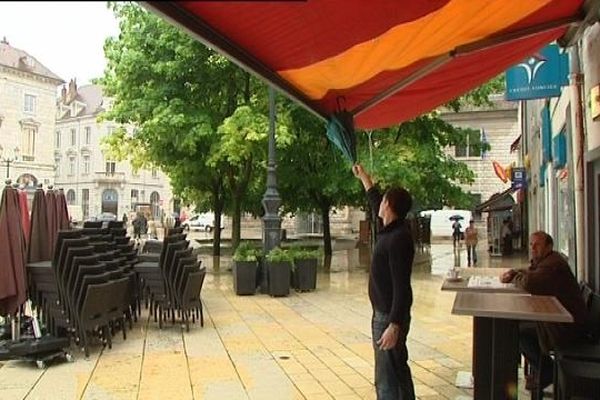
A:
458,22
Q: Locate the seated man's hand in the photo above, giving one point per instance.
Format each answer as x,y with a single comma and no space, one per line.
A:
508,276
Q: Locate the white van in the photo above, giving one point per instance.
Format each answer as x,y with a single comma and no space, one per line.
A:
441,224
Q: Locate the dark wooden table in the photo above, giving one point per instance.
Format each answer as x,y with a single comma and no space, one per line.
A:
496,319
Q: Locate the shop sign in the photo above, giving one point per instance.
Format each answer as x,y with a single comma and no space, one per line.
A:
541,75
518,178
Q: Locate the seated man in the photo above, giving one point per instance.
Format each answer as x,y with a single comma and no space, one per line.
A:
550,275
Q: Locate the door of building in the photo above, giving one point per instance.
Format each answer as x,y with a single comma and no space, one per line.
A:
110,201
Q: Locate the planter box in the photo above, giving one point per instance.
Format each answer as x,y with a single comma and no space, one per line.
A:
244,277
279,278
305,274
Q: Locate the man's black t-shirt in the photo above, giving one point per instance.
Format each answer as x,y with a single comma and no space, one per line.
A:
390,291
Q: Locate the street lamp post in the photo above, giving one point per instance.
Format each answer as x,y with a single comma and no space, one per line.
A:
8,159
271,199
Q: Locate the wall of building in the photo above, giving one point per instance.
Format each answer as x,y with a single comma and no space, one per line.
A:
14,85
502,129
590,50
97,180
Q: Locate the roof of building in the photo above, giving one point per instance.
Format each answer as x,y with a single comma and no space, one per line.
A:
89,95
92,97
22,61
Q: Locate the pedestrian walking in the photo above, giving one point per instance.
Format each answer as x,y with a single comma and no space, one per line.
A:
390,290
471,242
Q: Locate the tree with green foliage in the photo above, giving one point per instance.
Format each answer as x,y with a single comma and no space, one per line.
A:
179,95
312,175
315,177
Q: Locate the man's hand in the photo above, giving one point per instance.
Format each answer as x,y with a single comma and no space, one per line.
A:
508,276
360,173
389,338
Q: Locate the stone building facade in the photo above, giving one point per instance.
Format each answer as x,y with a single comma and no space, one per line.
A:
499,126
94,183
27,110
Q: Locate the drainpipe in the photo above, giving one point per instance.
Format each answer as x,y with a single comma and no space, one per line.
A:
577,142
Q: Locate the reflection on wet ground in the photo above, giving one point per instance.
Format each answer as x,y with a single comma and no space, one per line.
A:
313,345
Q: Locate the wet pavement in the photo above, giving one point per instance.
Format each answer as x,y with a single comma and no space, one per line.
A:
312,345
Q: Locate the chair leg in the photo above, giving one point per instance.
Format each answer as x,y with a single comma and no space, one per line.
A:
108,334
86,348
201,315
160,317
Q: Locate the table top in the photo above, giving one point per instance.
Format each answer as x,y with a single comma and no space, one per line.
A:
462,285
511,306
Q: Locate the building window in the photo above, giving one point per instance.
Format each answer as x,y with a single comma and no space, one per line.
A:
86,164
29,105
88,135
71,197
471,147
57,140
134,198
155,204
85,203
28,143
154,173
73,137
57,167
110,167
71,166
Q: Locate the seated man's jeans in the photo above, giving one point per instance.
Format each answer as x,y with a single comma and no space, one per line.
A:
393,380
530,347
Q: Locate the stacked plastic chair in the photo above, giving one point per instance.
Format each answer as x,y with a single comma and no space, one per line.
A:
173,284
94,287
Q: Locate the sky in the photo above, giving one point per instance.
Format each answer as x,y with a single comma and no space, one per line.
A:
66,37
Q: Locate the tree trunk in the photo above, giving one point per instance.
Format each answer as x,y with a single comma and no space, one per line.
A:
236,223
218,204
326,230
238,183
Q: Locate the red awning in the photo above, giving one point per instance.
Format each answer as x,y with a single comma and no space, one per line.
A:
389,60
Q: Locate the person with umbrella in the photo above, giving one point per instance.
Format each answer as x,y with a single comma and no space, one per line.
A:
390,290
456,227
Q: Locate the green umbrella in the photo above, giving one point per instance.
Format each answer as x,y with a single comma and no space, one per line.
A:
340,130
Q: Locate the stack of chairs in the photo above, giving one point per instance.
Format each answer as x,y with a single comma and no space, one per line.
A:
93,288
173,284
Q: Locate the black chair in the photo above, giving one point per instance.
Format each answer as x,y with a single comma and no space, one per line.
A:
115,224
174,231
92,224
118,303
189,300
91,308
577,366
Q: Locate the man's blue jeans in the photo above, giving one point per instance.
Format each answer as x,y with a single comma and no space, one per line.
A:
393,380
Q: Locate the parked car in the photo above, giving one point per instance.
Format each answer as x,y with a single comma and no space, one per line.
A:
105,217
201,222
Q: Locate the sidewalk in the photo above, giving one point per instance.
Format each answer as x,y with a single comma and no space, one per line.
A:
306,346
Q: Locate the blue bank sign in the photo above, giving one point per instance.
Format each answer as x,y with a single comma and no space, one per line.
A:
518,178
539,76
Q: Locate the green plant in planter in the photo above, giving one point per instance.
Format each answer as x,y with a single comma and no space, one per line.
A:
306,254
304,274
246,252
279,267
278,255
245,266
